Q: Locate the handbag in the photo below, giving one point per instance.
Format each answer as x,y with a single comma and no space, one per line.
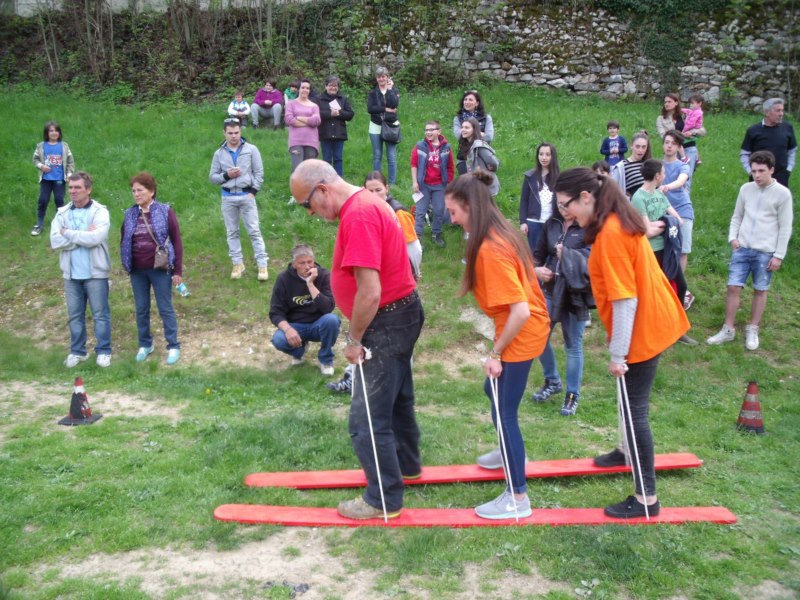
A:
161,259
390,133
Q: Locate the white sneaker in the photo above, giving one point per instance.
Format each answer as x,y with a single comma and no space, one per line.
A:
505,506
103,360
726,334
493,460
326,370
297,361
72,360
751,337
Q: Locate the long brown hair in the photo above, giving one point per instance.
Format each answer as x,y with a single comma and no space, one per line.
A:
464,144
676,113
471,192
608,198
643,135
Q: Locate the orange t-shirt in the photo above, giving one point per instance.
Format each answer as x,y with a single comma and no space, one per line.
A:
623,266
407,225
501,280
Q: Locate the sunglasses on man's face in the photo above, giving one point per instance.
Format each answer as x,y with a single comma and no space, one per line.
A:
307,202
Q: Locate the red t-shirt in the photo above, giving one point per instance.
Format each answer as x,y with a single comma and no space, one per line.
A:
369,236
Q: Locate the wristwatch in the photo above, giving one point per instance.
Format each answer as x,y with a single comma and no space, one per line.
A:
494,354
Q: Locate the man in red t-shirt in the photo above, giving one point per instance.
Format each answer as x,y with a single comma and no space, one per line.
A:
374,287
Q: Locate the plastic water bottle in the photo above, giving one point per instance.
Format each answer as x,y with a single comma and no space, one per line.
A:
183,290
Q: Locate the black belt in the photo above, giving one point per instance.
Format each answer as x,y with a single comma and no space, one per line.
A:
398,303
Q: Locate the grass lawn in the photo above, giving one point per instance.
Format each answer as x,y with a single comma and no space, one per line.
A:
123,509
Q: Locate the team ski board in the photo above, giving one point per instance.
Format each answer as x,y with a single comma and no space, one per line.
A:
305,516
304,480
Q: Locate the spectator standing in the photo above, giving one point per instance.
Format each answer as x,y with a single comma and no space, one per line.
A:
479,154
303,119
431,169
382,104
535,201
147,227
79,232
776,136
759,234
628,173
237,168
334,112
614,146
471,107
55,162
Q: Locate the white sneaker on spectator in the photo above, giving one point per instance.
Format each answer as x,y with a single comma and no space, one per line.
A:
103,360
751,337
73,360
726,334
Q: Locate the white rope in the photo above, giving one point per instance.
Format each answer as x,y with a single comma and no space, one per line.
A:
493,385
367,356
622,392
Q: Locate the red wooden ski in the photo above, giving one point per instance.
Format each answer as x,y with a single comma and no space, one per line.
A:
304,480
305,516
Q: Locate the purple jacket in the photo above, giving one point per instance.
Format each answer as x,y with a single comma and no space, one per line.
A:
262,96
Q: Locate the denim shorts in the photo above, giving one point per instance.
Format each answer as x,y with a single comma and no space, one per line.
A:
686,236
745,261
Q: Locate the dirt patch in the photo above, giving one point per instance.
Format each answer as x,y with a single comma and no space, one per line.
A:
295,559
21,402
768,590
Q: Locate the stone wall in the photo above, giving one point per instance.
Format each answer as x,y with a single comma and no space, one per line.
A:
735,62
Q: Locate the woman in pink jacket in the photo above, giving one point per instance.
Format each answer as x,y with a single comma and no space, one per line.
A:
302,117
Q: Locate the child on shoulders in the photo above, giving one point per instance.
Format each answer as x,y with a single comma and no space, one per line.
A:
693,119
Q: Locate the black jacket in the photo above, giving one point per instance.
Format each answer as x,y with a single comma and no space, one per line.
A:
292,302
562,292
333,128
377,104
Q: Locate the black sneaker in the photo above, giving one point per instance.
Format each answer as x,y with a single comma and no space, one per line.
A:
570,406
439,240
631,508
36,231
615,458
550,387
343,386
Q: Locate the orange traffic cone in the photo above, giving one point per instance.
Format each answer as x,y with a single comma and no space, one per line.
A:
750,415
80,413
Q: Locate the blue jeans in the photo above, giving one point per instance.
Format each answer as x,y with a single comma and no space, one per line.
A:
161,282
324,330
534,231
390,387
745,261
431,195
332,151
377,156
510,389
639,382
245,207
573,330
47,187
78,291
691,154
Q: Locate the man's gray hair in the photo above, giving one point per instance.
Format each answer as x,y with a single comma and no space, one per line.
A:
314,171
301,250
770,104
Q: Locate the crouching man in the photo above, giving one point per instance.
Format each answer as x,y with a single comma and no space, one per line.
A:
302,310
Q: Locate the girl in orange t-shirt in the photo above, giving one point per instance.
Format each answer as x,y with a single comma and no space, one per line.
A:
377,184
641,313
500,275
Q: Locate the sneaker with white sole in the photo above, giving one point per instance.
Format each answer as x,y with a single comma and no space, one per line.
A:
726,334
344,385
751,337
505,506
550,387
72,360
238,270
173,355
688,300
143,353
298,361
326,370
263,273
493,460
359,509
36,231
104,360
